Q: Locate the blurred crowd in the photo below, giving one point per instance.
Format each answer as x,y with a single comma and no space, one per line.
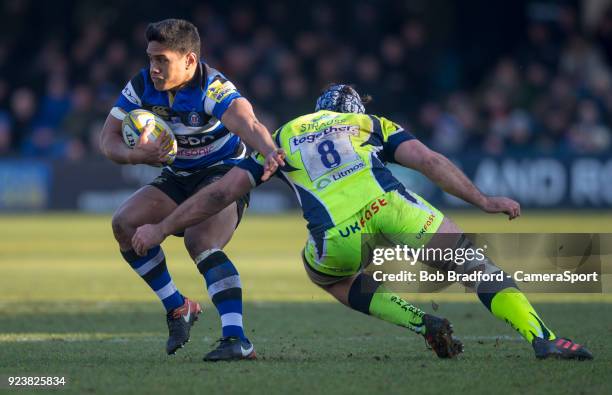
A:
546,89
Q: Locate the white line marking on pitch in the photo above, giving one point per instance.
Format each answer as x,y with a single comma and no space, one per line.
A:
135,337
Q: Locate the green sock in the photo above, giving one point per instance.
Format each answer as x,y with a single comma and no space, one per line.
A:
392,308
506,302
370,297
511,305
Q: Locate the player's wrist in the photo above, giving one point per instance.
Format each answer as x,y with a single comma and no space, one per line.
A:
274,151
131,157
138,157
164,230
482,202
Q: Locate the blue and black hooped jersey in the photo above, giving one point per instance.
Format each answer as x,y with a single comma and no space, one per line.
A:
194,115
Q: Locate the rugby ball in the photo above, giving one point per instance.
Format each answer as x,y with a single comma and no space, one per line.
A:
134,123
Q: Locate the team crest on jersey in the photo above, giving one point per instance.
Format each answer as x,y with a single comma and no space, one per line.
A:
194,119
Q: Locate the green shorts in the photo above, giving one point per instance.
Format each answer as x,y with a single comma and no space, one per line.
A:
404,217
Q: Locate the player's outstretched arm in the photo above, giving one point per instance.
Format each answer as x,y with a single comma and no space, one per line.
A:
204,204
241,120
450,178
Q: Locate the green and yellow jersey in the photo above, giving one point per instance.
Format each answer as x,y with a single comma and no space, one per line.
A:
335,163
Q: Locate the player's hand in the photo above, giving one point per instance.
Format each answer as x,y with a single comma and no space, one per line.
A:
274,159
151,152
500,204
147,236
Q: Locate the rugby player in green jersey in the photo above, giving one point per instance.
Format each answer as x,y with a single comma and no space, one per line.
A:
335,163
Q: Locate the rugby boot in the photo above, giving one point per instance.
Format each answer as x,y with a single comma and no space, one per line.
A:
231,349
180,321
439,336
560,348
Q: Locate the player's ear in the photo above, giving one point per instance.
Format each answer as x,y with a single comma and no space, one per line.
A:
191,59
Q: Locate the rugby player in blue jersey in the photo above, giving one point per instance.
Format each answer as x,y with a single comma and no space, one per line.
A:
210,120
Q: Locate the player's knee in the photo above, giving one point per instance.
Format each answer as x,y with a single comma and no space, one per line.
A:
121,227
479,262
195,246
318,282
192,248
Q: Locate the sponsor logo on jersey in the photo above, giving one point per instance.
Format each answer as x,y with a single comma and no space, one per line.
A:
321,118
194,141
206,147
162,111
373,209
338,175
131,95
322,183
186,153
218,90
426,225
320,122
309,138
347,171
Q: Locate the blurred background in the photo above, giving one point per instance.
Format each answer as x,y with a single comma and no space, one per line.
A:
518,93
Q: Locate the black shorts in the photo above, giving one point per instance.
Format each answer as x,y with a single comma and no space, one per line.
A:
180,188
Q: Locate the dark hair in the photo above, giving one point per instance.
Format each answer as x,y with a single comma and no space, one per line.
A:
176,34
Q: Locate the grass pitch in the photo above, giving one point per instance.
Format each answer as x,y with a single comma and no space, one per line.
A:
69,306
